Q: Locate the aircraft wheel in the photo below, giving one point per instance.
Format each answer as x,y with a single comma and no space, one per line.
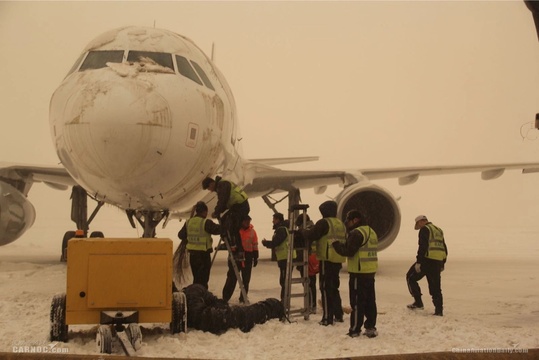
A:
59,327
179,313
97,234
67,236
134,335
103,339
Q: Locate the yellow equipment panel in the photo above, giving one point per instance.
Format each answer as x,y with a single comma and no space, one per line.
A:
105,274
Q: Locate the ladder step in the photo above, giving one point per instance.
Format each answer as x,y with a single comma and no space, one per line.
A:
298,280
300,207
298,312
298,295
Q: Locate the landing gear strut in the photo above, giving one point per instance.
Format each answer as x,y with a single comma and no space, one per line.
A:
148,220
79,215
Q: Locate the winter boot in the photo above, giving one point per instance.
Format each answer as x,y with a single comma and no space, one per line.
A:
416,305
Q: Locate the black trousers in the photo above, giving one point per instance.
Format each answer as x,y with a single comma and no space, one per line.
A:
282,276
200,266
329,291
362,301
432,270
232,222
245,268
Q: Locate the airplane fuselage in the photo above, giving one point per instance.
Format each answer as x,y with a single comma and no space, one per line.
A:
142,118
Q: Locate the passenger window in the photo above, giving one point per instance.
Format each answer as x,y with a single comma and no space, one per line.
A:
162,59
185,69
99,59
203,75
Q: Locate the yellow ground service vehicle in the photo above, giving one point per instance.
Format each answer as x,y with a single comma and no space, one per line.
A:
118,283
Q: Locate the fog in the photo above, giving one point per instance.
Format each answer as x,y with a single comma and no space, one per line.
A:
360,84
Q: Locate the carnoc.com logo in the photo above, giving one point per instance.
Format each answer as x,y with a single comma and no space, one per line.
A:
40,347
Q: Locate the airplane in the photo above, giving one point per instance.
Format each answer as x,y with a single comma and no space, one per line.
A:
144,115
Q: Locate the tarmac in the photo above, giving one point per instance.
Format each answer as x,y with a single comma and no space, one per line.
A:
526,354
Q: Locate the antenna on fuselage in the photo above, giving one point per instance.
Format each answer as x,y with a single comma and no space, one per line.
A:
213,51
154,24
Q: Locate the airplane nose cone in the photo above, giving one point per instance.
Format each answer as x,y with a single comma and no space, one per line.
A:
115,130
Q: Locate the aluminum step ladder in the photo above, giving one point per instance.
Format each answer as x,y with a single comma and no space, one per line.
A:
224,240
297,287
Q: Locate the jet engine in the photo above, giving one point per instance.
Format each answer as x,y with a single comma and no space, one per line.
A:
17,214
378,206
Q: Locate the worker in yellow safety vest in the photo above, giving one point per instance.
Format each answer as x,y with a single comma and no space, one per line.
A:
430,262
279,242
230,197
197,231
326,230
361,250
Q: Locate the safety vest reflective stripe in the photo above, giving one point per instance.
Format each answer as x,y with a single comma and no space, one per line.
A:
197,237
324,250
436,250
365,260
247,239
237,195
281,251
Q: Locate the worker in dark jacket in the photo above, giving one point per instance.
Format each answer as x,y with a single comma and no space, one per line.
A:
430,261
279,242
249,239
197,231
232,198
325,231
361,251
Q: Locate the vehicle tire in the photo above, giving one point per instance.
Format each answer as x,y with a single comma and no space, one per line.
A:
179,313
134,335
97,234
103,339
67,236
59,328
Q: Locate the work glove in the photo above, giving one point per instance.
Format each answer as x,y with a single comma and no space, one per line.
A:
265,243
255,258
417,267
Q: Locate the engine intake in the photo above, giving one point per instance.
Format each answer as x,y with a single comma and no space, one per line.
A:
17,214
379,207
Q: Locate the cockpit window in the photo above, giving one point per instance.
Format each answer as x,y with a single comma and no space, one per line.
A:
203,75
186,70
162,59
99,59
76,64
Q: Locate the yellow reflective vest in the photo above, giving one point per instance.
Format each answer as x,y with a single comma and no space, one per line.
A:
324,250
281,251
365,260
237,195
436,250
198,238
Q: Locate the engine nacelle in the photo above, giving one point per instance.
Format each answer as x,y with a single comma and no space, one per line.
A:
379,207
17,214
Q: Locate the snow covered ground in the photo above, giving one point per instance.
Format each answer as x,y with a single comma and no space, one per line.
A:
490,288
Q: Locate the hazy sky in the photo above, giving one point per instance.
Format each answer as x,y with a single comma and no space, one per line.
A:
360,84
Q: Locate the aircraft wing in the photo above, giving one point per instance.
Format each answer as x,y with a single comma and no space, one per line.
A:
261,178
56,177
